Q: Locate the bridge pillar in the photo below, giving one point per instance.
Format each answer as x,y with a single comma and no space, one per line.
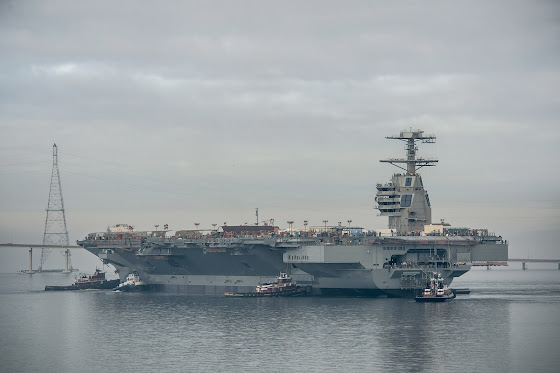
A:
524,265
67,260
30,270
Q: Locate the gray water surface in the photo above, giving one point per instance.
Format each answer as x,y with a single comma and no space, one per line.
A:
509,323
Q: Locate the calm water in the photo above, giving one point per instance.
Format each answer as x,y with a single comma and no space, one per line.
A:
509,323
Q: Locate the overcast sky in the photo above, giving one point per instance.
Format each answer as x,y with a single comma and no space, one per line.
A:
200,111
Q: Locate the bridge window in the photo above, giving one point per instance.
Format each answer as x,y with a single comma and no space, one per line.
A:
408,181
428,200
406,200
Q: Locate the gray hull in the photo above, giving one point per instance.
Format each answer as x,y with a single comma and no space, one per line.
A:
393,266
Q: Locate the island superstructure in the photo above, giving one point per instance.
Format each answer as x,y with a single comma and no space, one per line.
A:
404,199
333,261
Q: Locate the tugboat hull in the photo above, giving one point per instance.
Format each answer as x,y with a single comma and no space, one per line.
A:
131,288
58,288
299,292
434,299
109,284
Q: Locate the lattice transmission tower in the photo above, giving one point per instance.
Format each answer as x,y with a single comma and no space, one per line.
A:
56,232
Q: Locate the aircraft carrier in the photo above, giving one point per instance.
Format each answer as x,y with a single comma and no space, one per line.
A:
339,260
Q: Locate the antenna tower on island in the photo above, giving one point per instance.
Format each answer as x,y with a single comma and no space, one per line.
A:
412,163
56,232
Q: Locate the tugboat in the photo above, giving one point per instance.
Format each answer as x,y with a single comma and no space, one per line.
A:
132,283
94,281
282,287
436,290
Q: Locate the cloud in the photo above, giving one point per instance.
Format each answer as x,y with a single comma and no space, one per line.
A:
72,70
181,110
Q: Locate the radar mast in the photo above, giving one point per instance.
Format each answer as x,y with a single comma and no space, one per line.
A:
413,164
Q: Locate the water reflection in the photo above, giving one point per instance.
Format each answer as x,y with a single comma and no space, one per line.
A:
92,331
316,333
